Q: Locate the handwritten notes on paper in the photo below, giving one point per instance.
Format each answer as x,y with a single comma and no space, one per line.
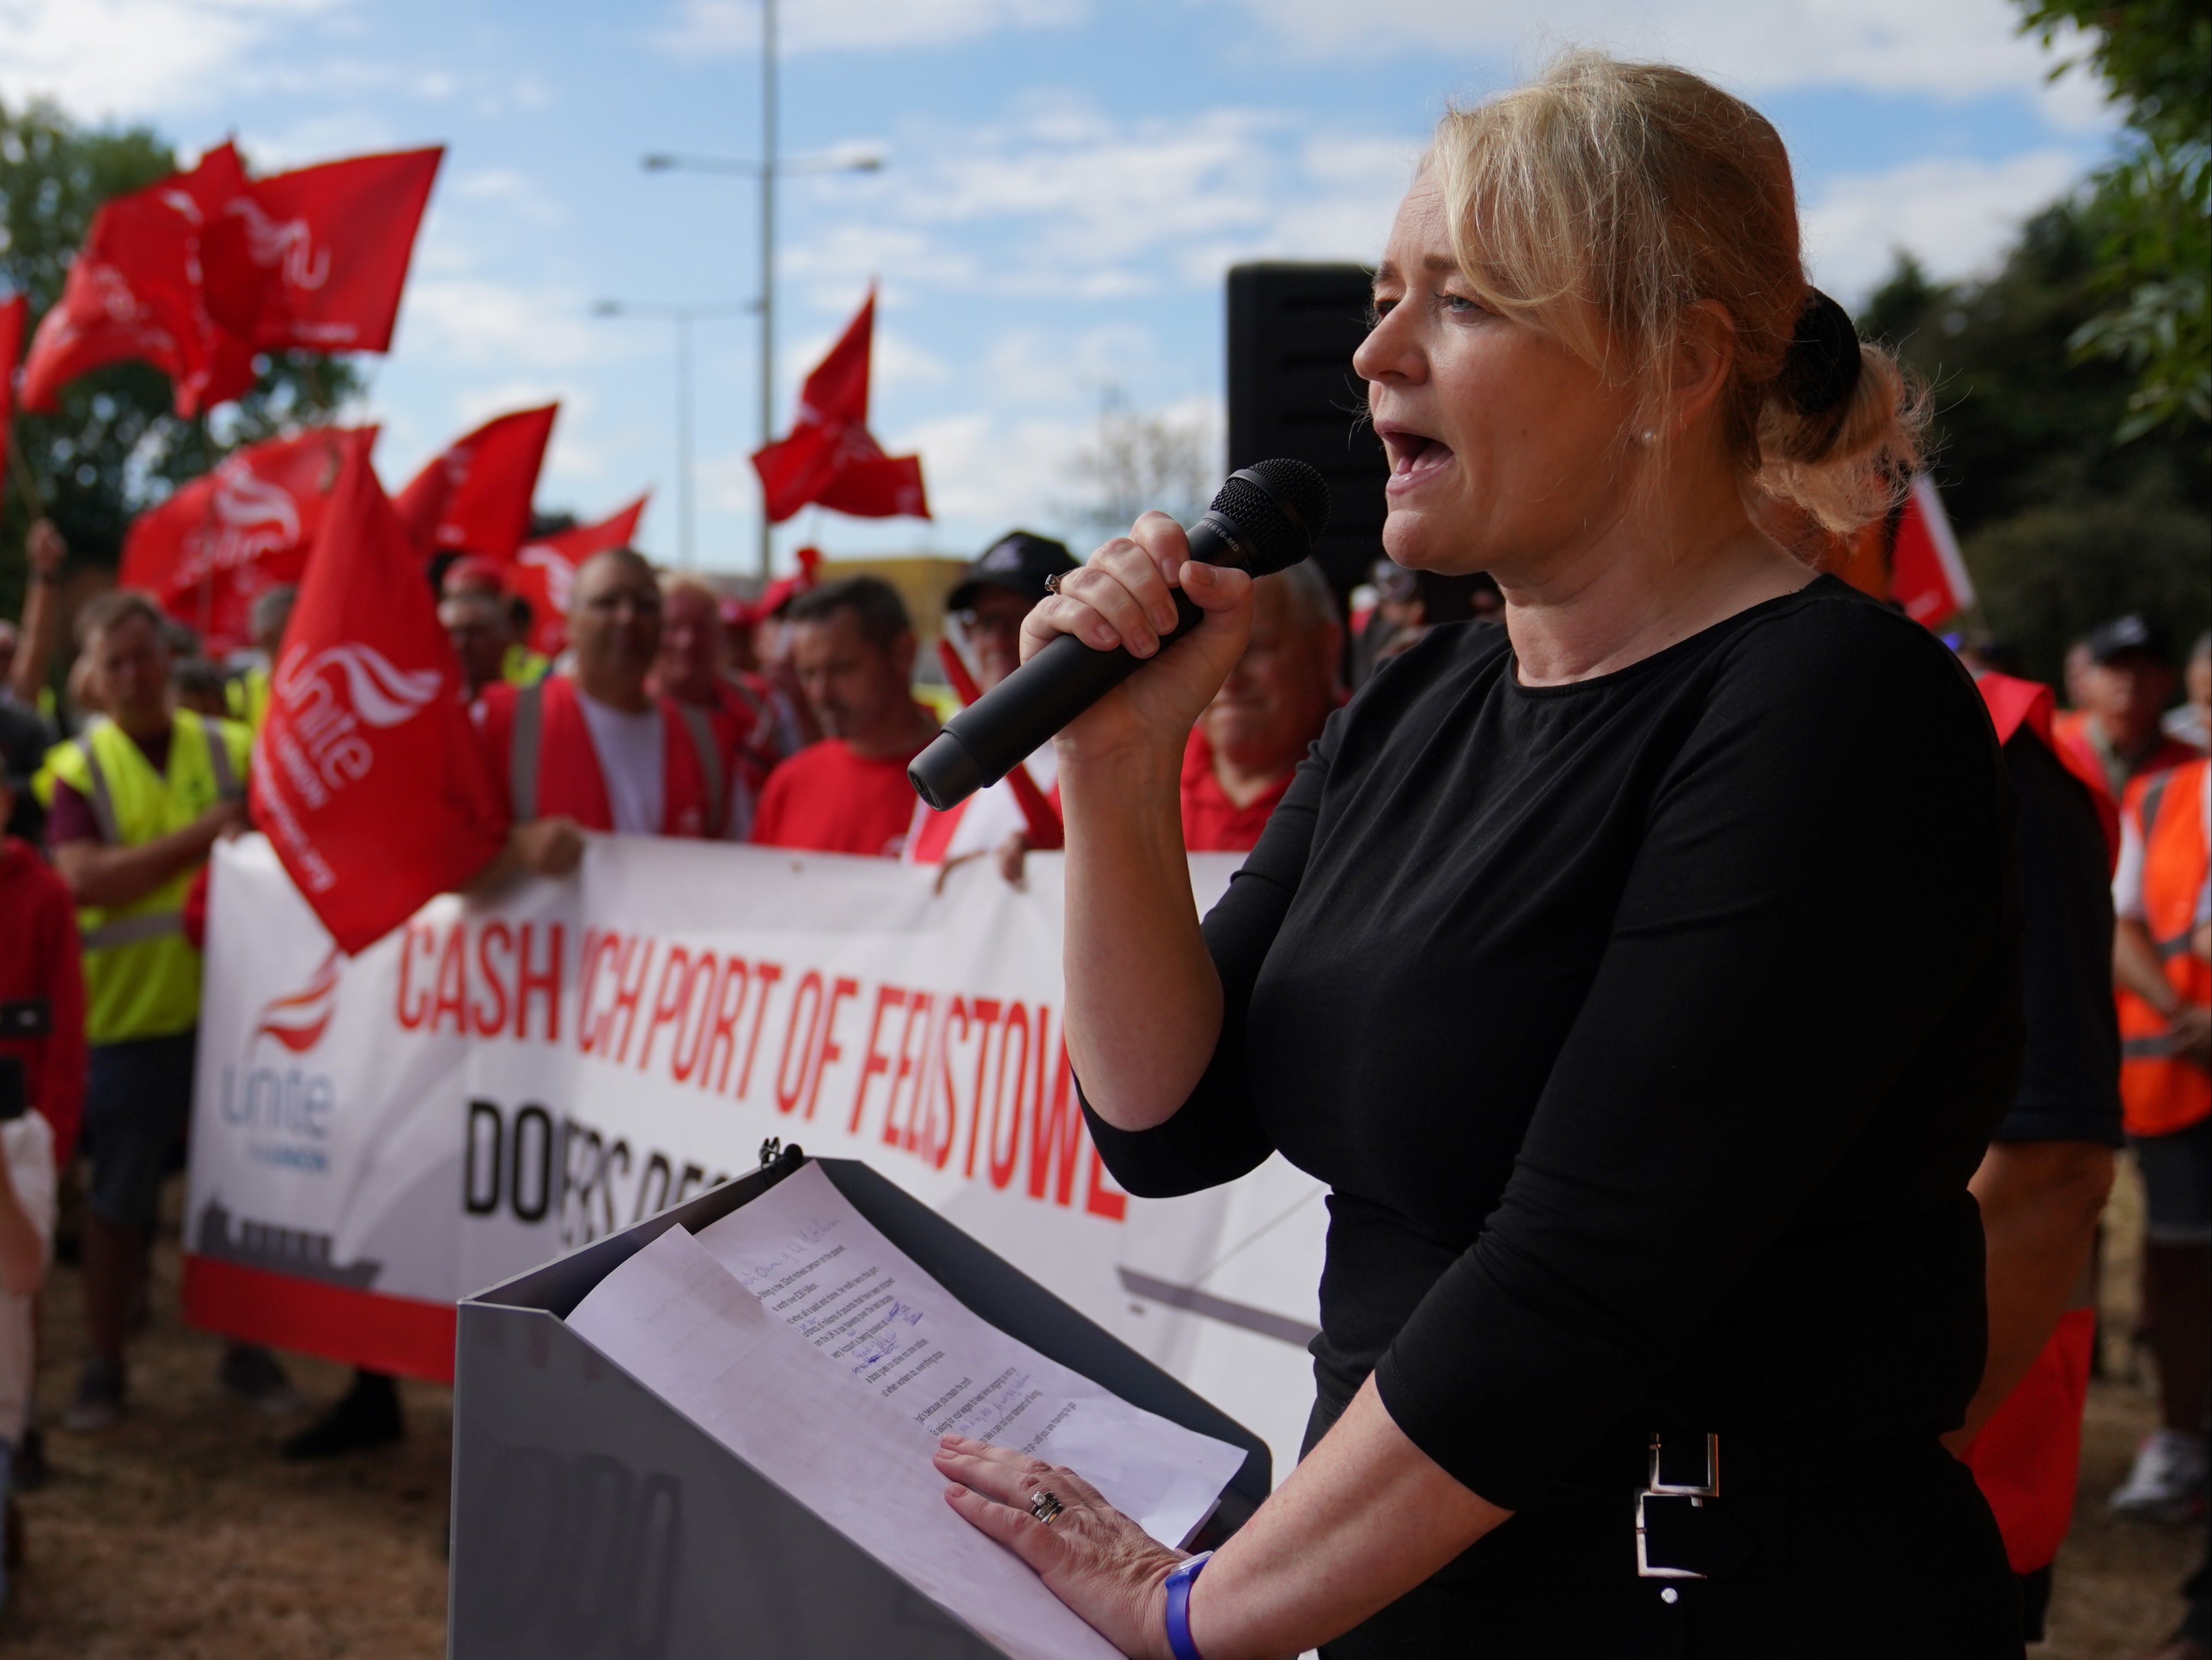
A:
824,1270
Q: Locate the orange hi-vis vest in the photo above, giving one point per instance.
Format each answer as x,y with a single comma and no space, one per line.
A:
2161,1091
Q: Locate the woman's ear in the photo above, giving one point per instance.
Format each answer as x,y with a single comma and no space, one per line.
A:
1705,357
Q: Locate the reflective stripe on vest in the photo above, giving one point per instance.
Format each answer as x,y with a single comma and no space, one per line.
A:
142,976
525,749
709,755
2161,1091
522,754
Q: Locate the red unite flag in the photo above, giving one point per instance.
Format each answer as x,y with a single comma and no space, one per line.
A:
829,457
199,272
474,498
317,258
1927,575
367,775
222,539
134,291
544,572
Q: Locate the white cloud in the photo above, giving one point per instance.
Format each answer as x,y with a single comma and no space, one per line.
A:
1955,215
479,319
716,27
322,137
1946,48
1051,366
1071,204
984,467
124,58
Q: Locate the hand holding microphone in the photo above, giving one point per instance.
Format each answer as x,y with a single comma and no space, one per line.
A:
1118,612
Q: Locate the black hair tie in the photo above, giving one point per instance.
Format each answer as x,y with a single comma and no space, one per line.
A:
1821,367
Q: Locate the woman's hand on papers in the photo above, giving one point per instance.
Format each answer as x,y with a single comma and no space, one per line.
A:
1093,1558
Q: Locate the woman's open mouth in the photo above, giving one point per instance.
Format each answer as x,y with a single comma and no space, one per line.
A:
1414,456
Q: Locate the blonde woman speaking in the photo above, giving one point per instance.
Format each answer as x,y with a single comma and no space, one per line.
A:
1644,977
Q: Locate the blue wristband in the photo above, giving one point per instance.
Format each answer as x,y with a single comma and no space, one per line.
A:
1179,1585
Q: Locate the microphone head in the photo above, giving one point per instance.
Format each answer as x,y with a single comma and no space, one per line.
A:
1279,508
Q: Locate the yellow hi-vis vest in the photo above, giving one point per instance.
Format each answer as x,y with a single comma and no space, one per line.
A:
248,698
142,977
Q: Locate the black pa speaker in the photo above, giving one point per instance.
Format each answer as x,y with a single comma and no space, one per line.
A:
1292,329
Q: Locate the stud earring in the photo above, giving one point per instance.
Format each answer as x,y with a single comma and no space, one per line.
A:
1647,438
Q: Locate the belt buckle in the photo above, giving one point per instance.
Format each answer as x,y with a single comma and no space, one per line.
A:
1655,1488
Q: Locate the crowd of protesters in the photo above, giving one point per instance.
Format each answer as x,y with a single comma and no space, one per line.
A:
789,721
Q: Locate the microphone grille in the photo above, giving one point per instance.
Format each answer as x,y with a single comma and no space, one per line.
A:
1282,508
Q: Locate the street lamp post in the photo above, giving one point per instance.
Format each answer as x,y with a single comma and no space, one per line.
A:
764,171
682,317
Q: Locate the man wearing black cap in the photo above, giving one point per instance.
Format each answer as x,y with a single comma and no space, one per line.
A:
994,595
2113,736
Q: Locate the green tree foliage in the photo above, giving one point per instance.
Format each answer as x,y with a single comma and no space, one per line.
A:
2154,255
2062,522
115,447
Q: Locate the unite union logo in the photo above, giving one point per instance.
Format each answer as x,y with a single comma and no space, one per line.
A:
286,246
560,575
377,691
250,517
327,697
298,1020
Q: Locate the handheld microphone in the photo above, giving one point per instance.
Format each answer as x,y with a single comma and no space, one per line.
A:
1266,518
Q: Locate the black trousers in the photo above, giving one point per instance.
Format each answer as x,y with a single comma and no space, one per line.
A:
1897,1557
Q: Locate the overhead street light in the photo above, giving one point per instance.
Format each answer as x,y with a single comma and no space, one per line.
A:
764,170
682,317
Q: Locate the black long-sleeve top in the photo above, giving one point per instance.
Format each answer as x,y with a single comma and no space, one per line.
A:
1646,1030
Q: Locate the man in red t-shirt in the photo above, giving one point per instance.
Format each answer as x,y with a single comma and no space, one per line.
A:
1249,741
852,648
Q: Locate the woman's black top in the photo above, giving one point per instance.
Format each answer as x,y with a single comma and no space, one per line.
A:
1646,1030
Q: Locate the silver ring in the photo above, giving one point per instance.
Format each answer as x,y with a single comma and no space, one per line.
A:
1044,1506
1052,582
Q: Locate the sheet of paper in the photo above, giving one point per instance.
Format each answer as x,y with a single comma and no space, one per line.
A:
901,1337
674,1318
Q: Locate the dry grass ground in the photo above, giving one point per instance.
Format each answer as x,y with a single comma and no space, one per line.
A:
181,1536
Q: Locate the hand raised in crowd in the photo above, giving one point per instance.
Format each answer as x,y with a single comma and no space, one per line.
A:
45,550
1093,1558
550,847
1125,596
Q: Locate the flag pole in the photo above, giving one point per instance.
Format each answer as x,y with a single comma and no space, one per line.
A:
768,266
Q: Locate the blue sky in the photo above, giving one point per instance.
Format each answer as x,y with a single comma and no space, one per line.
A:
1067,181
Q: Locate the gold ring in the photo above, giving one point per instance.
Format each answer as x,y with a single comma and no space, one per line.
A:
1052,582
1044,1506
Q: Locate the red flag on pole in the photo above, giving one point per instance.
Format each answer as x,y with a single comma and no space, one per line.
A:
197,272
828,456
475,497
14,311
367,774
317,257
135,291
1926,574
222,539
545,571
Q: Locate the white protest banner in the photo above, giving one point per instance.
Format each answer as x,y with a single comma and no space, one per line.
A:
507,1078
